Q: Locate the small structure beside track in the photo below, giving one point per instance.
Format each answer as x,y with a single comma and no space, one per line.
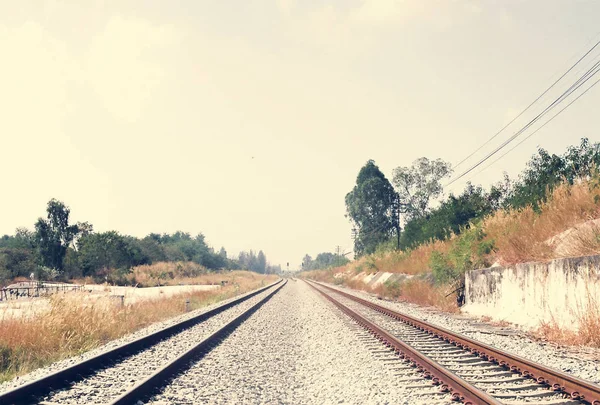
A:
29,289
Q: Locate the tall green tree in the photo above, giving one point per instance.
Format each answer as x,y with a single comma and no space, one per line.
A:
54,234
453,214
370,207
261,262
418,184
100,252
545,171
306,262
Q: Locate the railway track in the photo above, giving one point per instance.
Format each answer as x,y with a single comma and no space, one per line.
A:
470,371
135,371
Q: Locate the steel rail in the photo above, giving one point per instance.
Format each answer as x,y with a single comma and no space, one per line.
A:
152,384
61,379
577,388
459,389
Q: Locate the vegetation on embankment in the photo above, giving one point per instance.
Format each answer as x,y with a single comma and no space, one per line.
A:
507,237
515,222
73,325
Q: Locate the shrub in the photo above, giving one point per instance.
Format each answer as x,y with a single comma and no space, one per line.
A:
392,288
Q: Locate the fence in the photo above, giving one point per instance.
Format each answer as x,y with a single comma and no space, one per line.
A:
35,289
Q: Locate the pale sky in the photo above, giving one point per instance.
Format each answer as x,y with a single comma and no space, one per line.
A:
249,120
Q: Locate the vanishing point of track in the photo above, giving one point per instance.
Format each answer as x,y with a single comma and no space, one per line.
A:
472,372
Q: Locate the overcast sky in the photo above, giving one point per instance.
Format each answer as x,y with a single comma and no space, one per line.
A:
249,120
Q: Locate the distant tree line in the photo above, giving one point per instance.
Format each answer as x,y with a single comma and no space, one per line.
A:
323,260
256,262
57,249
388,215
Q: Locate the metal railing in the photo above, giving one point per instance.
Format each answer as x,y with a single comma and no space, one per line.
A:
31,289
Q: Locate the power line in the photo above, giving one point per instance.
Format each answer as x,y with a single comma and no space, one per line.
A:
565,94
582,80
542,126
528,107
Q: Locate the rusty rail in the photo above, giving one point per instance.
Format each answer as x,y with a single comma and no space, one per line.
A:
459,389
33,391
577,388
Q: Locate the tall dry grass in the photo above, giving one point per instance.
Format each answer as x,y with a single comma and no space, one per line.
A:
588,333
523,235
562,228
169,273
74,325
517,236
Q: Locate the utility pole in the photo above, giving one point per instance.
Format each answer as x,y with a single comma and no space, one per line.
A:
338,251
398,208
396,218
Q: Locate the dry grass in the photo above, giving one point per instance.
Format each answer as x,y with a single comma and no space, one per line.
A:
424,293
517,236
520,236
171,273
414,261
415,290
73,325
588,333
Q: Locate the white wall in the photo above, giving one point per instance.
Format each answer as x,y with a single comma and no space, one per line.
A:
531,293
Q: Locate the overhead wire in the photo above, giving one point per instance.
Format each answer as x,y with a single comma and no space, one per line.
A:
583,79
542,126
529,106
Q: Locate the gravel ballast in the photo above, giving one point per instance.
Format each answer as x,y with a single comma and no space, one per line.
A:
60,365
566,359
299,349
109,383
487,376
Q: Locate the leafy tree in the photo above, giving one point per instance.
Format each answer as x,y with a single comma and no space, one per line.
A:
452,216
152,249
253,262
16,262
370,206
544,171
261,262
323,261
418,184
83,229
53,235
306,262
24,239
100,252
248,260
76,250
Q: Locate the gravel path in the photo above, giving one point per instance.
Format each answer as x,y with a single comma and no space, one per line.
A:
109,383
517,342
299,349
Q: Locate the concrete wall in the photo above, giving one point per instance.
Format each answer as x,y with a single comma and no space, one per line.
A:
531,293
376,278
